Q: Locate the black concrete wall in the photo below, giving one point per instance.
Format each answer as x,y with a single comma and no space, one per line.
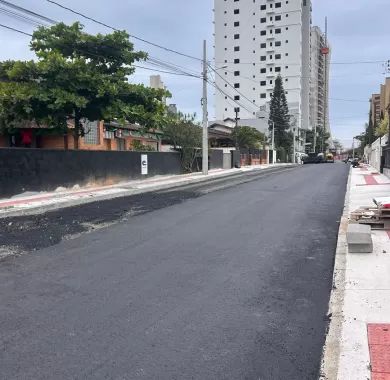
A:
215,159
38,169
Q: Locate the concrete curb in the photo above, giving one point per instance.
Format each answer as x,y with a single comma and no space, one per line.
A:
182,182
331,352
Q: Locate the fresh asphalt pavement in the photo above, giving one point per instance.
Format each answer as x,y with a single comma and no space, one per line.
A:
229,283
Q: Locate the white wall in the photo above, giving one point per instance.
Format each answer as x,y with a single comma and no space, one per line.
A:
294,62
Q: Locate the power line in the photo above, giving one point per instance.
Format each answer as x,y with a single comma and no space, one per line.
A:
166,72
31,13
20,17
15,30
349,100
115,29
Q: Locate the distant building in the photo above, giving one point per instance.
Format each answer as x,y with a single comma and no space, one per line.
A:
375,104
255,41
385,96
319,88
156,82
172,108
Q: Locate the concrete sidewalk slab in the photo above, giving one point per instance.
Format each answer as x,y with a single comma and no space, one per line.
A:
361,294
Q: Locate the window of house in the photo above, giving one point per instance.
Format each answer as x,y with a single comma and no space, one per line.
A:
263,20
263,96
236,85
236,23
263,33
286,79
278,43
263,58
278,18
286,54
236,36
236,97
278,31
278,69
236,48
92,133
263,45
263,83
263,70
278,5
236,60
236,11
263,7
236,73
270,82
278,56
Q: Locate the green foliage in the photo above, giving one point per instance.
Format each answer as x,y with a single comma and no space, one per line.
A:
322,141
77,76
279,115
137,146
248,137
186,136
383,127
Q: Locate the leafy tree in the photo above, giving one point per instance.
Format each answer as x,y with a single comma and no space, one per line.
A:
322,141
337,145
138,146
77,76
248,137
383,127
279,115
185,135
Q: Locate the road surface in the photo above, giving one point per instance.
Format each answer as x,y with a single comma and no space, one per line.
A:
228,283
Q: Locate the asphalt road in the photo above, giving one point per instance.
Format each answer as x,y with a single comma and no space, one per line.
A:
233,284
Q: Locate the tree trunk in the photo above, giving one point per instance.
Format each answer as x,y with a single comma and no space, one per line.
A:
76,132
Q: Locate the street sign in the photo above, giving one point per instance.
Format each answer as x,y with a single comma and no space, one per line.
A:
144,164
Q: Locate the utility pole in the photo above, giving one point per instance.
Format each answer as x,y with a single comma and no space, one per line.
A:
205,137
326,54
315,139
353,148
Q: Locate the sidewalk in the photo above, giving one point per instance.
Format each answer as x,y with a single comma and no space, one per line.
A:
358,342
25,203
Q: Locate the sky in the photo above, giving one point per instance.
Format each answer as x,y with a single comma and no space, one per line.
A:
358,32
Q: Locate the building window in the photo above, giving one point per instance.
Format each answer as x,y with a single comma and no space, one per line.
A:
236,36
278,5
263,20
278,18
270,82
286,54
236,60
236,85
278,31
263,45
278,43
263,7
91,133
286,79
236,97
263,96
263,33
236,23
263,58
236,48
278,56
236,11
263,70
236,73
286,67
286,41
263,83
278,69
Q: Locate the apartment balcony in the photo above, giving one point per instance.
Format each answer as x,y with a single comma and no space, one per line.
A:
270,75
270,62
270,11
270,24
270,37
270,49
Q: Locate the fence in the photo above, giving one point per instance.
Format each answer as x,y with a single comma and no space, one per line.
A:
40,169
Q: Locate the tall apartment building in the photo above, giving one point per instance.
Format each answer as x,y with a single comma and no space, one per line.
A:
256,40
375,109
319,81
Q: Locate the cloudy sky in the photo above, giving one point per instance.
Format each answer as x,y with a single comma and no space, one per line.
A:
358,32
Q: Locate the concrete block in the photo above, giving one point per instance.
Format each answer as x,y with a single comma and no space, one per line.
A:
359,238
